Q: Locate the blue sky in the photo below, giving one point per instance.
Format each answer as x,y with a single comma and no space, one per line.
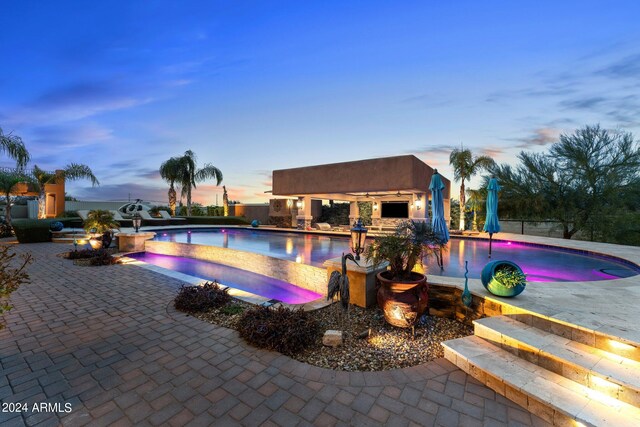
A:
256,86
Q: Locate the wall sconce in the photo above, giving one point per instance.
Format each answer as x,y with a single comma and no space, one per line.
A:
418,203
289,203
299,204
375,206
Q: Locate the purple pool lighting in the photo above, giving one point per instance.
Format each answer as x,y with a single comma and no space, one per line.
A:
233,277
541,264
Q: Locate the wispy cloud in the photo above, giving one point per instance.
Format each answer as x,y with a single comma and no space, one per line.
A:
65,136
627,67
539,137
75,102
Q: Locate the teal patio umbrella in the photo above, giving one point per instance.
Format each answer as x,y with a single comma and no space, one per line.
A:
438,222
491,224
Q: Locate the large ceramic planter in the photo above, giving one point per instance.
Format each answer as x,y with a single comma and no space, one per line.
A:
403,302
494,286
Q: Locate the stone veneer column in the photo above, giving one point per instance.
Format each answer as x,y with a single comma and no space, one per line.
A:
376,214
304,215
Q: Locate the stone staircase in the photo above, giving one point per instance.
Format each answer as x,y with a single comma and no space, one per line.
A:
565,375
69,235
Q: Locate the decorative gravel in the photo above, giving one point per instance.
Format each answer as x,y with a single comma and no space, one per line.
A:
381,347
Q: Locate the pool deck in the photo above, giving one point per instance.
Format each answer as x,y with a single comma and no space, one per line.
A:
107,341
610,306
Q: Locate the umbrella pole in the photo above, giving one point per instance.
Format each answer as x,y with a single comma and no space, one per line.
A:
490,237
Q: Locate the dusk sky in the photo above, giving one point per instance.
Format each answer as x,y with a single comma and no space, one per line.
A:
253,86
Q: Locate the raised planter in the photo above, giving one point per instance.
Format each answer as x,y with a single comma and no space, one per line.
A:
403,302
493,285
133,242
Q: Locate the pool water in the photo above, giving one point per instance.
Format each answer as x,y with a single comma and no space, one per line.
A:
232,277
540,264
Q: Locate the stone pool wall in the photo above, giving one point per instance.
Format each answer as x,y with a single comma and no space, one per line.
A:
446,301
302,275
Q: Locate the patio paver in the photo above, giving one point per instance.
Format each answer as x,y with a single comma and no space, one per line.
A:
106,341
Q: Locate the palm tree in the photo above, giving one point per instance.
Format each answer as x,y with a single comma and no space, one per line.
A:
71,172
189,175
170,172
465,165
13,146
8,182
476,199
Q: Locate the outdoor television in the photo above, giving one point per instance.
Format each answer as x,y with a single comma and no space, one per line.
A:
394,210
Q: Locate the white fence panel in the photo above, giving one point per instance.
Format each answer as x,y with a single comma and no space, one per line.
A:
88,205
32,209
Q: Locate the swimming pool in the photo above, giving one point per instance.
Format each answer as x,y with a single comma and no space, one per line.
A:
233,277
540,263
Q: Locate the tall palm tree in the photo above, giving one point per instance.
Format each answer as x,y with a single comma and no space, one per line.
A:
13,146
170,172
476,200
189,175
465,165
8,182
71,172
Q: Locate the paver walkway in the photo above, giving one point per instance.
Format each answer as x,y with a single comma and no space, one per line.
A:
106,342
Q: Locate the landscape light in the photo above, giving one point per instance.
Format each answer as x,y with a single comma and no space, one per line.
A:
137,221
358,237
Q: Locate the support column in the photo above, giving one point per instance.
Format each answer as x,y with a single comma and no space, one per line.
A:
354,212
376,213
304,213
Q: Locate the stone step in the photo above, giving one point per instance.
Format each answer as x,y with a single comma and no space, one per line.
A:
597,369
552,397
80,239
603,341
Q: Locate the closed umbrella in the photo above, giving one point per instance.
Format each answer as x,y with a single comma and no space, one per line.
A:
438,222
491,224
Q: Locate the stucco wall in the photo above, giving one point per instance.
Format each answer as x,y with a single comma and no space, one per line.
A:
251,211
302,275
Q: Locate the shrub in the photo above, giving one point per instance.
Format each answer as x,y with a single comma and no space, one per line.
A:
103,257
81,254
217,220
5,229
282,329
96,256
201,298
37,230
10,277
68,214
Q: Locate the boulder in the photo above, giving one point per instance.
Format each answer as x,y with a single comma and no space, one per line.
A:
332,338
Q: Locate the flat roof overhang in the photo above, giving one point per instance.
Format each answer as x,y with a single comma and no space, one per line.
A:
385,177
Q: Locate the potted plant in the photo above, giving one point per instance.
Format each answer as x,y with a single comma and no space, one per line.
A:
101,223
403,293
503,278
